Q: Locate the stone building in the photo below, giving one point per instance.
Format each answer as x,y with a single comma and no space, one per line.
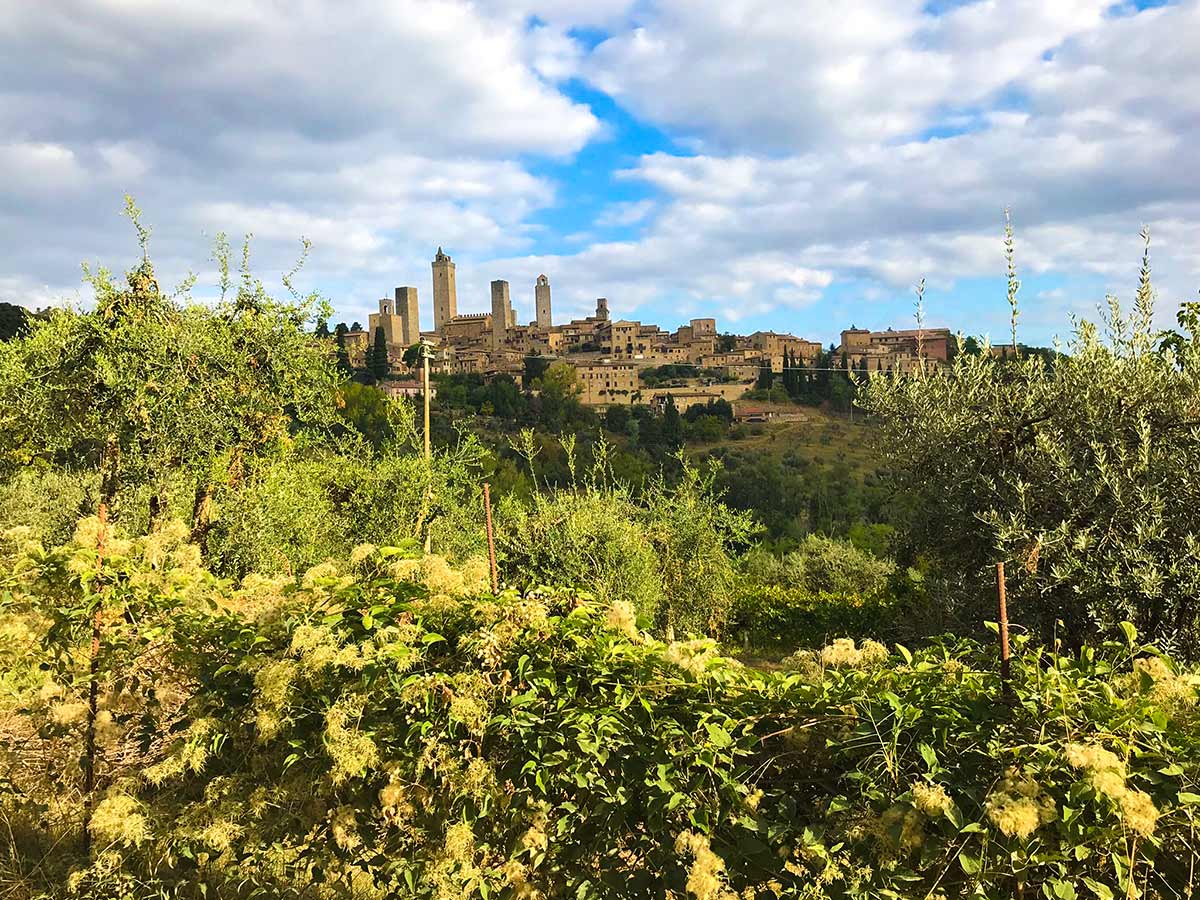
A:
606,383
398,318
473,330
893,349
445,291
406,390
623,339
502,313
696,328
684,400
541,298
356,347
774,345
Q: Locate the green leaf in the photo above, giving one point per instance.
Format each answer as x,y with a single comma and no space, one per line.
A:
970,864
929,755
1103,891
718,735
1187,798
1130,633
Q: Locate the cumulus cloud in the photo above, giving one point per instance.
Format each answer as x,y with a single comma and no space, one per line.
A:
790,76
375,128
880,141
818,155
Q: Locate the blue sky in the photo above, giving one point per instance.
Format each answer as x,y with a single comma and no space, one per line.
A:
778,164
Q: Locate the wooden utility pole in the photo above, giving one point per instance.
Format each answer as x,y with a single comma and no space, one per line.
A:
428,451
491,540
425,361
1005,666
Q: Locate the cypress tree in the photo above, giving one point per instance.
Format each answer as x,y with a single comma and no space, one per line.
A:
803,382
379,359
765,375
343,358
672,426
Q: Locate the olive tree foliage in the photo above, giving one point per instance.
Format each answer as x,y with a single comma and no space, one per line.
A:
146,384
1082,474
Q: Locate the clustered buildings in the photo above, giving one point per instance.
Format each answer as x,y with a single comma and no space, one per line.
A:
608,354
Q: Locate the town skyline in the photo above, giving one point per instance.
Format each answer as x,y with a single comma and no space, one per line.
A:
527,306
609,356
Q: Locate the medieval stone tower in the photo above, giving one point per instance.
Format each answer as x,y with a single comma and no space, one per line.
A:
398,319
410,316
602,309
502,313
541,296
445,292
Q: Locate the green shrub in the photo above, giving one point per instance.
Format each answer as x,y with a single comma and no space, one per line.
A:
280,518
824,565
668,552
370,736
593,538
48,501
771,617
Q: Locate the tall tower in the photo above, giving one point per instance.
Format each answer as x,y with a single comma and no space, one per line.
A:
410,316
445,292
541,296
602,309
387,319
501,313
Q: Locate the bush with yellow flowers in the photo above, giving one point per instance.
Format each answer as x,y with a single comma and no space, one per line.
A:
388,728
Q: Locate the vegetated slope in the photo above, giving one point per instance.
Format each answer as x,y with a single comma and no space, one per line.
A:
393,730
820,474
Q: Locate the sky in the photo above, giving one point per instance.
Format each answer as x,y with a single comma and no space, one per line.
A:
796,165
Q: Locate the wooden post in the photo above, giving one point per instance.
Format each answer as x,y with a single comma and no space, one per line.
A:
89,753
425,359
1004,659
428,451
491,540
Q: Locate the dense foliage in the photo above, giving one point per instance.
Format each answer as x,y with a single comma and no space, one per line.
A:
1081,474
391,730
668,552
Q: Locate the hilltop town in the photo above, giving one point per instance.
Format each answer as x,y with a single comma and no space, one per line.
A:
610,356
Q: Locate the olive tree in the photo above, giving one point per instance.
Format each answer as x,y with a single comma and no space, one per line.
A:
1080,471
147,384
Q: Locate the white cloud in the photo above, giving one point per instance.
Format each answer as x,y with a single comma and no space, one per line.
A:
787,76
377,128
625,214
852,146
1084,124
34,166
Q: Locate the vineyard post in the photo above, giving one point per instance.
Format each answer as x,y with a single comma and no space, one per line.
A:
428,450
89,754
1004,658
491,540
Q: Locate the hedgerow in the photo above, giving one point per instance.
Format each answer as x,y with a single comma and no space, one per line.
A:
391,729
